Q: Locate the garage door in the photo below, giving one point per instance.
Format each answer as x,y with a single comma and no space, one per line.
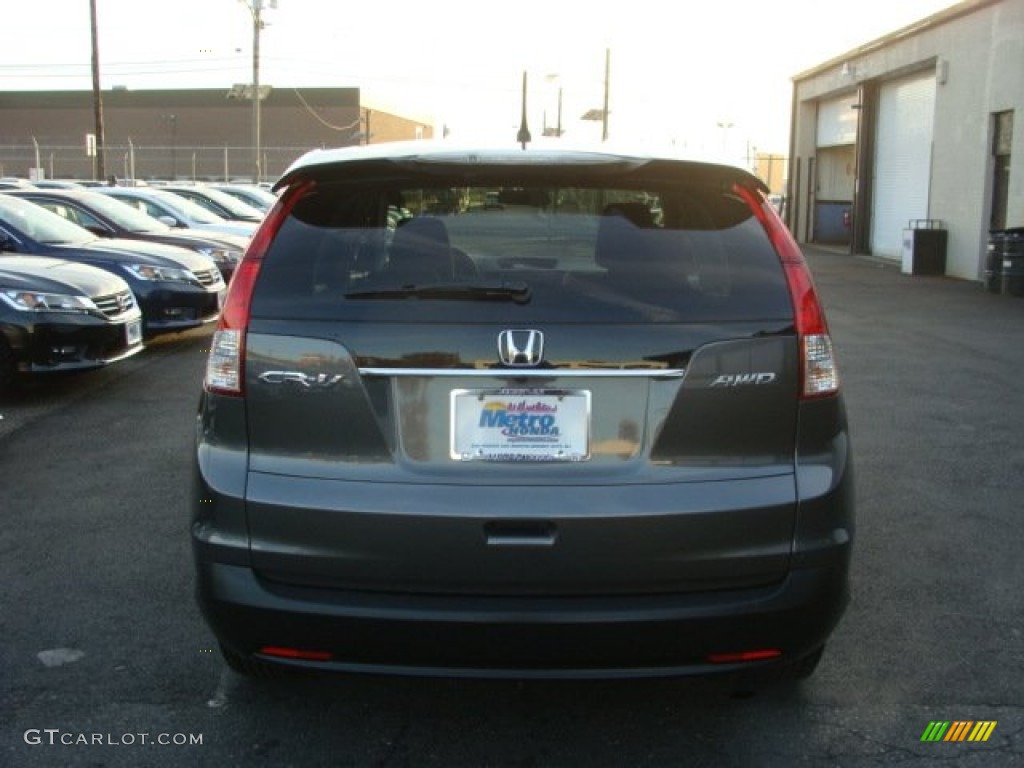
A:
837,135
903,157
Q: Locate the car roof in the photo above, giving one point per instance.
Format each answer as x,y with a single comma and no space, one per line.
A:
63,193
425,153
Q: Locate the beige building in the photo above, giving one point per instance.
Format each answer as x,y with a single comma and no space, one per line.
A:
186,134
922,128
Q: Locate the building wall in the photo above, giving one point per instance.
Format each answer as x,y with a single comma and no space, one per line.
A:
976,50
201,133
977,86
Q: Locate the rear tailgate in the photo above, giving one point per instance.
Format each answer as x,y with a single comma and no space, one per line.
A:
599,398
687,482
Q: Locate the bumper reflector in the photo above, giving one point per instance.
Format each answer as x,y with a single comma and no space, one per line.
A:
761,654
295,653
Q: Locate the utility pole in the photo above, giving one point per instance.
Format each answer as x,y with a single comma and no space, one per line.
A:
97,99
255,8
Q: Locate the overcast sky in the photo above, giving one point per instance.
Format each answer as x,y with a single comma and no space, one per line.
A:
708,77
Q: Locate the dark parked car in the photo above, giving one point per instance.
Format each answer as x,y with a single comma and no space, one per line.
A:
599,434
106,216
226,206
176,289
175,211
58,315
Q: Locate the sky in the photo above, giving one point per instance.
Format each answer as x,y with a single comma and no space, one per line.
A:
709,78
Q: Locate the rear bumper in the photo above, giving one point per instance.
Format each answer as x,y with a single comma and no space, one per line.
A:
603,637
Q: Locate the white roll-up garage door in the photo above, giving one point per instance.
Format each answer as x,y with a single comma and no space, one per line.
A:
903,157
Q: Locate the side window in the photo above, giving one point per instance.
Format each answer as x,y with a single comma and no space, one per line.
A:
137,204
147,207
59,208
79,217
87,220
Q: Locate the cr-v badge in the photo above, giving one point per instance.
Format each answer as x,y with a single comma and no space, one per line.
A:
521,348
320,380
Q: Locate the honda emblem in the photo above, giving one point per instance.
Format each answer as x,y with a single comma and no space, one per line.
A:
521,349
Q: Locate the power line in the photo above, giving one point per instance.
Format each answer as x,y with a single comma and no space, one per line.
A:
333,127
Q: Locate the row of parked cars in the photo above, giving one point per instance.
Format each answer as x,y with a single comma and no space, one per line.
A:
88,274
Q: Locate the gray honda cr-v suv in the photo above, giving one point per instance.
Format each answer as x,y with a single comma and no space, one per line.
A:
594,429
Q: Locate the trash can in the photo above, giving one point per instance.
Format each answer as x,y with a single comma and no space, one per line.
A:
1004,266
924,247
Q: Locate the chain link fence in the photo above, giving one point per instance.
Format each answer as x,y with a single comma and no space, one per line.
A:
137,161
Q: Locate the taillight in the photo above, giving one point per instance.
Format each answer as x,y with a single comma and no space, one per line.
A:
225,367
819,375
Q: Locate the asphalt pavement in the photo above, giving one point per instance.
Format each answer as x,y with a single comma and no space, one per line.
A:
103,654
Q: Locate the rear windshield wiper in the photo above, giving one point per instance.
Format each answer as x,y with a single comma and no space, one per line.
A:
516,291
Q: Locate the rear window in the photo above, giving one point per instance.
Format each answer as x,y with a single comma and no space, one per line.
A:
400,252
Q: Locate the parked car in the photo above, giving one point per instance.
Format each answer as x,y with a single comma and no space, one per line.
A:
176,289
220,203
57,315
175,211
58,184
107,216
12,183
258,197
600,434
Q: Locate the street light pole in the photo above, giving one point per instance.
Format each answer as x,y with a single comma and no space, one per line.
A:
607,86
725,125
523,136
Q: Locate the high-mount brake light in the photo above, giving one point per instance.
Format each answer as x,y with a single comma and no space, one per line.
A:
819,375
225,367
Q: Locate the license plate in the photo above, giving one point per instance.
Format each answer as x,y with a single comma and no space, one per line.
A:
133,332
520,425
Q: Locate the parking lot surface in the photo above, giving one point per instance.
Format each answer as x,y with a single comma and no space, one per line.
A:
105,660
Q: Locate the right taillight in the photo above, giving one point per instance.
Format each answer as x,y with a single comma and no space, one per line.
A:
819,366
819,376
225,367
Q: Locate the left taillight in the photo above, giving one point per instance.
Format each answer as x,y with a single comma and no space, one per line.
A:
225,366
